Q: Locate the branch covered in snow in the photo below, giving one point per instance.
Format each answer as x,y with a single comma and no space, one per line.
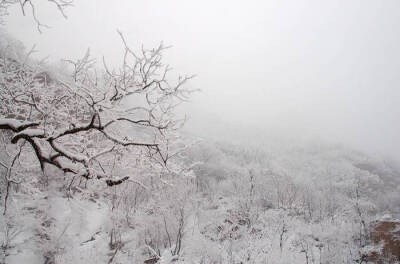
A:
31,7
78,122
16,125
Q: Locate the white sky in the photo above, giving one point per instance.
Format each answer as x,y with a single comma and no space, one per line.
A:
326,69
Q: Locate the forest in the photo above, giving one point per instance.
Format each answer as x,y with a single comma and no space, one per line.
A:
96,166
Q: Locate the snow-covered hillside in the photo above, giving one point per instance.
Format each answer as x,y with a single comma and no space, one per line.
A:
313,204
95,168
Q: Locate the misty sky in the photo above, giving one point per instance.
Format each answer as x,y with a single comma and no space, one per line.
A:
324,69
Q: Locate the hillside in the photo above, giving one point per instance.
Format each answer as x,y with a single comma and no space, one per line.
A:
313,204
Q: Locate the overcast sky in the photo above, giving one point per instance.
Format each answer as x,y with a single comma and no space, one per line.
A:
324,69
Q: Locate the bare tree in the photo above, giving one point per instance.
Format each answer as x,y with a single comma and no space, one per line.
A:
29,6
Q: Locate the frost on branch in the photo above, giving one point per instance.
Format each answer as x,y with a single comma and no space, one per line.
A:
78,122
15,125
30,7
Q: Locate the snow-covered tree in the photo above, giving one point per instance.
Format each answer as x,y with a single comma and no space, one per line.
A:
77,122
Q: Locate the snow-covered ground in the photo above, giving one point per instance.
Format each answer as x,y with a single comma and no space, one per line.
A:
242,207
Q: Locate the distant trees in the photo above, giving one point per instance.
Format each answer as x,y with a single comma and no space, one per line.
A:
288,207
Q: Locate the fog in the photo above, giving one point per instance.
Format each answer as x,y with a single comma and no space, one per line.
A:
309,69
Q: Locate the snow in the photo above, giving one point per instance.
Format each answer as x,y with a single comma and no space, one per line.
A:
75,156
167,258
231,203
14,123
83,221
216,223
31,132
